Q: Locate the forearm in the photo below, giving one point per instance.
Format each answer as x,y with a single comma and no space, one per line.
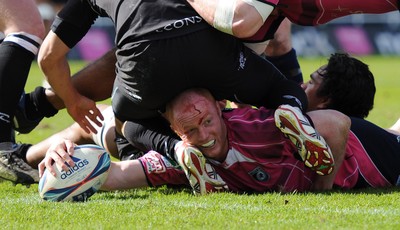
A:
125,175
59,77
53,62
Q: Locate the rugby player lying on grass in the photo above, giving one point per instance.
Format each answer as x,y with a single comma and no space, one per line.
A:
247,156
354,73
354,89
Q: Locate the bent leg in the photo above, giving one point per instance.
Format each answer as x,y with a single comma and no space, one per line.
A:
76,134
23,28
281,53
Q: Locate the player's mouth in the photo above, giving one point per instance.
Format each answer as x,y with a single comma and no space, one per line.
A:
208,144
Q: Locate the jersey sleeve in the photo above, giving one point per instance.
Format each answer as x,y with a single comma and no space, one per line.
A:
74,21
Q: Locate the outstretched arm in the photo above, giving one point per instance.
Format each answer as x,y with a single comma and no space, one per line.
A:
122,175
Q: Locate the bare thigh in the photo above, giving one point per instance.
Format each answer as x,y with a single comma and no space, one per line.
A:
21,16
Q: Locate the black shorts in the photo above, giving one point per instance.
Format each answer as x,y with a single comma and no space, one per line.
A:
382,147
126,151
160,70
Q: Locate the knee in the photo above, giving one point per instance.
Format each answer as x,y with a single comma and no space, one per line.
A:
331,124
38,31
342,121
338,125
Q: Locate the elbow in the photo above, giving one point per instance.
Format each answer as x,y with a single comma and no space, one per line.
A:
241,20
247,23
45,60
340,125
245,29
345,125
42,59
52,53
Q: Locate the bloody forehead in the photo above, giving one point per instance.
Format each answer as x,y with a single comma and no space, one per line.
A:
192,109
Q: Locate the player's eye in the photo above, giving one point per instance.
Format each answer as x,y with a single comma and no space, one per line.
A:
207,122
190,132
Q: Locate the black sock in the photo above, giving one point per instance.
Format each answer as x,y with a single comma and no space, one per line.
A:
23,150
15,63
288,65
37,105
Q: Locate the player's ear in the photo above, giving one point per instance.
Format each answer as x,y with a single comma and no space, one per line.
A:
221,104
324,103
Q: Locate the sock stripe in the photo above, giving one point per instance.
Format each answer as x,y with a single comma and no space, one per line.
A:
25,40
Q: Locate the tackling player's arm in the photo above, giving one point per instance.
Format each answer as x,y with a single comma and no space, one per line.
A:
69,27
241,18
52,60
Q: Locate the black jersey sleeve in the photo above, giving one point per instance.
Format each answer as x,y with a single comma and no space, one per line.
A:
74,21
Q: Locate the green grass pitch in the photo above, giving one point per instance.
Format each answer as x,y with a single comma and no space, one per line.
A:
164,208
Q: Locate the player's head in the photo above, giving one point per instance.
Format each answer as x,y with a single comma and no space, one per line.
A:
345,84
197,118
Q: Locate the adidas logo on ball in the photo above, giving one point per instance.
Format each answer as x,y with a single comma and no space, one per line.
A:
79,164
80,182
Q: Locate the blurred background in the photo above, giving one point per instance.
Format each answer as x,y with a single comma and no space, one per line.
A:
359,34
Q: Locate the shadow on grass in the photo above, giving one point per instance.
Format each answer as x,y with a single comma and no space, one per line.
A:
146,193
143,193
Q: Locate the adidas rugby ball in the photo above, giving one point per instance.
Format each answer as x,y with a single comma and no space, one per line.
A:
80,182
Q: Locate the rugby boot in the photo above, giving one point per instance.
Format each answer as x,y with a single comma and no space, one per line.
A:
201,175
311,147
15,169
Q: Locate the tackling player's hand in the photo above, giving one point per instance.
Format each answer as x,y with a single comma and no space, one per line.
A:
85,113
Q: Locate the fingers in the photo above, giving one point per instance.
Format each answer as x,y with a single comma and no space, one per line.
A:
86,114
47,163
59,153
88,125
95,116
91,121
41,168
69,146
